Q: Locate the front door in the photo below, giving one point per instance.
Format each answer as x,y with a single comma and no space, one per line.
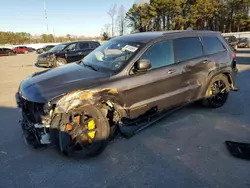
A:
71,53
157,88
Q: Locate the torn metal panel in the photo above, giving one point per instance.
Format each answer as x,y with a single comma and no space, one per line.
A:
82,97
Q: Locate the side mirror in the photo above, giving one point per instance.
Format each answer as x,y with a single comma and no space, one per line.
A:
142,65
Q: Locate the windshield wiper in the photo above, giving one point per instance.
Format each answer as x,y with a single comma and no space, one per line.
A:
90,66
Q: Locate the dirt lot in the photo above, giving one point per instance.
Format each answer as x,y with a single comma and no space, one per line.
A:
184,150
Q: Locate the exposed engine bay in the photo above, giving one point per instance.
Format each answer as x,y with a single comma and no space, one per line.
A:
35,122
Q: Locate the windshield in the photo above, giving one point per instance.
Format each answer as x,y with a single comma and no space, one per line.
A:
112,54
57,48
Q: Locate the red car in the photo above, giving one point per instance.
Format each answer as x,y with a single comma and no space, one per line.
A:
21,49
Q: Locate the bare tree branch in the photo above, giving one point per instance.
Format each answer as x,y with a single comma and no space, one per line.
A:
111,13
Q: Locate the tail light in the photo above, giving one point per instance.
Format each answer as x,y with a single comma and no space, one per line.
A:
234,56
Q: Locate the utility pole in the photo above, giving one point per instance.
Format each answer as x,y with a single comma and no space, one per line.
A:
54,34
46,18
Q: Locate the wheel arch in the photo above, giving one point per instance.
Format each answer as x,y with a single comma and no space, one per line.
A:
108,96
212,75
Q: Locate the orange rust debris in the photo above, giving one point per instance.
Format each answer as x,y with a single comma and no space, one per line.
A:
69,127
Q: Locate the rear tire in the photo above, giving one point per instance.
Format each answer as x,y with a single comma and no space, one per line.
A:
63,138
217,92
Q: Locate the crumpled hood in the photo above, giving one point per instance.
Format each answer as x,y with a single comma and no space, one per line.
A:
43,86
46,54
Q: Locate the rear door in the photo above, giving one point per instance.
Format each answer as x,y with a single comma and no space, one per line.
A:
85,49
94,45
190,56
217,53
157,88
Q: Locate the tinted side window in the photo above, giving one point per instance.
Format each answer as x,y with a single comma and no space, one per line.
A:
93,45
84,46
187,48
212,45
71,47
160,54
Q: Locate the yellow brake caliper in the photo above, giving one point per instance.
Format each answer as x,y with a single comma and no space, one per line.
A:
210,92
91,125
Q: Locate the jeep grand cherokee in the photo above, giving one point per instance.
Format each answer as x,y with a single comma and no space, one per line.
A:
80,106
64,53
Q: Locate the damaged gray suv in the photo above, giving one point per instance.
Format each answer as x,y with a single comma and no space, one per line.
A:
124,86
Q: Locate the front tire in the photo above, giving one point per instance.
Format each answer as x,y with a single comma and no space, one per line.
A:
60,62
83,132
11,54
217,92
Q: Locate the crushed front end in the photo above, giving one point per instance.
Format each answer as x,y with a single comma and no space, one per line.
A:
35,121
45,60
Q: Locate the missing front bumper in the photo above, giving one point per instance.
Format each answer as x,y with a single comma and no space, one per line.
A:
35,134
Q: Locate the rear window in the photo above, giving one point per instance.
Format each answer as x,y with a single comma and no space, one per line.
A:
212,45
187,48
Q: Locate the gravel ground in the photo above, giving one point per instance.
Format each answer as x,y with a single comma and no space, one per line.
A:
184,150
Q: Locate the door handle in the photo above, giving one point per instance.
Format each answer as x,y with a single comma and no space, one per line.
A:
171,71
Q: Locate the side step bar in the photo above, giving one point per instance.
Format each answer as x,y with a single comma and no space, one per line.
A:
233,88
129,130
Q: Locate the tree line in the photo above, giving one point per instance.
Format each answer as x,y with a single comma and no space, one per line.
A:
158,15
218,15
25,38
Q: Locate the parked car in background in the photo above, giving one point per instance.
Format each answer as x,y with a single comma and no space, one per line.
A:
232,41
21,50
64,53
130,81
30,49
6,52
244,43
44,49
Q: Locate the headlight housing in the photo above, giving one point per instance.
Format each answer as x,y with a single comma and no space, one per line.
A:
47,107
